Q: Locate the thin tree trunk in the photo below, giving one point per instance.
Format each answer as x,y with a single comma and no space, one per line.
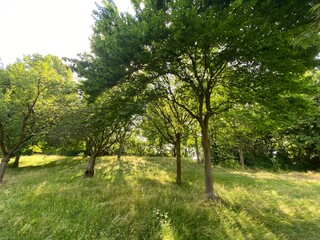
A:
178,157
240,149
90,169
196,144
207,159
4,162
16,161
87,150
120,150
161,151
174,151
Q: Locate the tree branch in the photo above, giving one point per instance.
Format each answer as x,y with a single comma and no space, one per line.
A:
170,93
168,137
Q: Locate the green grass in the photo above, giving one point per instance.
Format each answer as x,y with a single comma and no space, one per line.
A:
47,198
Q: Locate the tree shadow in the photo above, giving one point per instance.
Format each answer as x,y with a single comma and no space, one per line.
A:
63,162
132,194
272,205
274,221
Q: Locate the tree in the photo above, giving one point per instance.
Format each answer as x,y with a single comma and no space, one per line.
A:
219,52
280,134
214,51
297,143
99,130
173,125
101,123
33,92
118,51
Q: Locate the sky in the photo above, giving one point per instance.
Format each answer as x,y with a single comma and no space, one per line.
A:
57,27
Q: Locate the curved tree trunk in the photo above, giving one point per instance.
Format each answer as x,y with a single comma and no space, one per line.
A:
178,157
207,159
3,166
90,169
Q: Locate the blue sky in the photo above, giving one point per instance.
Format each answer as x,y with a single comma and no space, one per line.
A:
58,27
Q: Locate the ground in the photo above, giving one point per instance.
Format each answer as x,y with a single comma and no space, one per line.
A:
137,198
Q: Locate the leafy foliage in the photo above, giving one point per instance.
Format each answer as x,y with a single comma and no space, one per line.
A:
33,93
219,55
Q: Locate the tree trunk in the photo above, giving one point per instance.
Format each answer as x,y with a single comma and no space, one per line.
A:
3,166
90,169
87,150
174,151
240,149
196,144
207,159
178,157
16,161
161,151
120,150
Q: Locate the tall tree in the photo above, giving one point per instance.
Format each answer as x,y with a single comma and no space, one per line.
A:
33,92
220,52
172,123
215,50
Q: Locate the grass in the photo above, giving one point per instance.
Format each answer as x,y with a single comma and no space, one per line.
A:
47,198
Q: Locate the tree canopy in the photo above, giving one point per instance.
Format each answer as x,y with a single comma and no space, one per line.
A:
221,53
33,92
240,72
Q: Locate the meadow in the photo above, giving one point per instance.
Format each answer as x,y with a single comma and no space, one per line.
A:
137,198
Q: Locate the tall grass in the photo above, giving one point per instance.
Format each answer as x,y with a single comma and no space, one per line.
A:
47,198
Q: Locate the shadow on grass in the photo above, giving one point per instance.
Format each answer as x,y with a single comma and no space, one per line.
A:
118,171
288,187
274,220
282,206
130,200
63,162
